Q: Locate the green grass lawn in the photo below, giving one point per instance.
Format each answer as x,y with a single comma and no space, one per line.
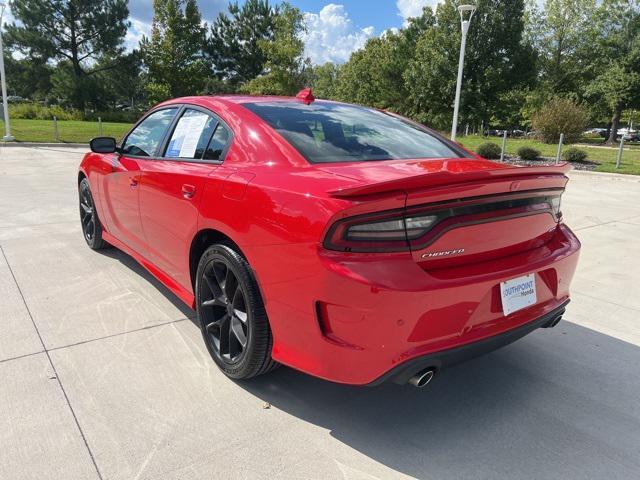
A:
69,131
605,156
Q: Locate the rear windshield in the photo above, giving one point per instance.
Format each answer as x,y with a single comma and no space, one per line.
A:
326,132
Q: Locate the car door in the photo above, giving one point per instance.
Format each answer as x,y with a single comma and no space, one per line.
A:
171,188
119,188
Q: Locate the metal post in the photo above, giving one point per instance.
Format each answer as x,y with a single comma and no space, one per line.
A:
559,148
504,143
463,43
99,126
5,103
619,158
56,135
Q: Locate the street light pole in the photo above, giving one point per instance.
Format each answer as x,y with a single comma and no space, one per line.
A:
463,9
5,104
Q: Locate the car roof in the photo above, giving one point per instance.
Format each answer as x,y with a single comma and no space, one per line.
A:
236,99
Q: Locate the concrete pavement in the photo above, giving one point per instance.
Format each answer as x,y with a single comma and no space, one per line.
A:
103,374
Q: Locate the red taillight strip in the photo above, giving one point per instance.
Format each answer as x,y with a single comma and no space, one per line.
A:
453,214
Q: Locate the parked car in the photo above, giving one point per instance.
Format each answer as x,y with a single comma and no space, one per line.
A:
346,242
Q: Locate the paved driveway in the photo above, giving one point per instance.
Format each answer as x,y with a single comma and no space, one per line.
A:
103,374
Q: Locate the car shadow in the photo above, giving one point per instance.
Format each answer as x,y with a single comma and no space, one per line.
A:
560,403
129,262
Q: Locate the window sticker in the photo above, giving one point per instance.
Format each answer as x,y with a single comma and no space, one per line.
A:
186,135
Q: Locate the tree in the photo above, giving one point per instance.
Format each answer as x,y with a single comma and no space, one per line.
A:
564,39
497,60
285,64
28,78
122,85
234,42
617,83
174,55
323,80
76,32
374,75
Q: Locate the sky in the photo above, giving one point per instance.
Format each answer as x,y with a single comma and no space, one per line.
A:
334,29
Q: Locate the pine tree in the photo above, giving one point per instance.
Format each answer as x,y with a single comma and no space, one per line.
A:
174,55
79,33
234,43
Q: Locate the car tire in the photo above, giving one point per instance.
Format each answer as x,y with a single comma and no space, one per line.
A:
89,221
231,314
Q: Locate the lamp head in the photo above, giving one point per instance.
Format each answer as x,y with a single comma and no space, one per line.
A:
466,11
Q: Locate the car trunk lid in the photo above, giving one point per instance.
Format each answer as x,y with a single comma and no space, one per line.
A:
484,209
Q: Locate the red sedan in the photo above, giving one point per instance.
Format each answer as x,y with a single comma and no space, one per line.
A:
346,242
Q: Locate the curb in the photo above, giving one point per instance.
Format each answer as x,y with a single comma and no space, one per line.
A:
35,144
616,176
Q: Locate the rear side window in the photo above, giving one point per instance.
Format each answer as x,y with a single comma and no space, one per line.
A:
218,142
191,135
326,132
145,139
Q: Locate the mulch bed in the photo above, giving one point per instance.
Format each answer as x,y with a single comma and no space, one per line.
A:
586,165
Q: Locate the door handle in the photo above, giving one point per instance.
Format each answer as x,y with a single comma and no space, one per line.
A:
188,191
133,182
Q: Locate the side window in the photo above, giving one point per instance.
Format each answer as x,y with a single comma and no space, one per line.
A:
191,135
217,144
145,139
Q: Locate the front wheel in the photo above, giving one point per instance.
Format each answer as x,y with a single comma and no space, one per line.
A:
231,314
91,226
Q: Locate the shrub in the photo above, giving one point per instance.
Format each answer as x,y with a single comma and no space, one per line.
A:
560,115
35,111
528,153
489,150
118,116
574,154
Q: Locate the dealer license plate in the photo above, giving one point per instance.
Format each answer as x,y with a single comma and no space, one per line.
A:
518,293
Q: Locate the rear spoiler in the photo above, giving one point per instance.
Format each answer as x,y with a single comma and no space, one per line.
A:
446,177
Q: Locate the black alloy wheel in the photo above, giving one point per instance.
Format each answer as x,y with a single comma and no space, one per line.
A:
225,311
91,226
231,314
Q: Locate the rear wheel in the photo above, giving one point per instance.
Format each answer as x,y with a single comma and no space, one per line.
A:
91,226
232,317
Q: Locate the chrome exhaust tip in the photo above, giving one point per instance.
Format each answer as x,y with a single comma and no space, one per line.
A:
421,379
553,322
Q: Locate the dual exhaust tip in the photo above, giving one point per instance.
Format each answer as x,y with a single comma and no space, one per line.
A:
422,378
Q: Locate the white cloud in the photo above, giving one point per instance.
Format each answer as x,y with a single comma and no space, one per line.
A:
413,8
7,16
136,31
331,36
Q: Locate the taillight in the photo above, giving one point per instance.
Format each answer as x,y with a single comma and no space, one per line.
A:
555,206
378,233
415,227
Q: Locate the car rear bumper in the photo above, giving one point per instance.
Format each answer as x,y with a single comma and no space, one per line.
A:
446,358
353,318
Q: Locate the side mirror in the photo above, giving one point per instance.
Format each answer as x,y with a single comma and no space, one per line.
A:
103,145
